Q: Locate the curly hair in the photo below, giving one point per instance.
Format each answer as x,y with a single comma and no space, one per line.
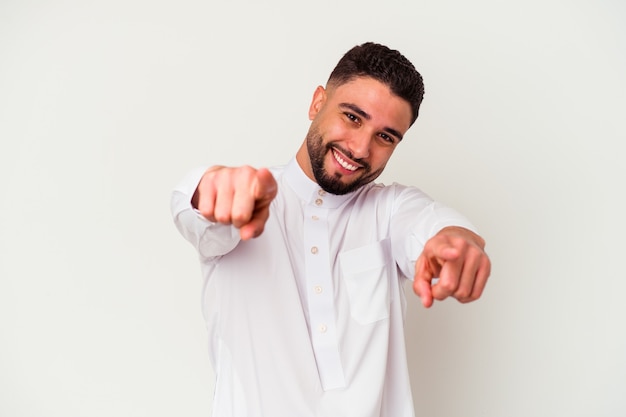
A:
385,65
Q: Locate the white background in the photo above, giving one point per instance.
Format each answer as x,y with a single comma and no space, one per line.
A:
105,105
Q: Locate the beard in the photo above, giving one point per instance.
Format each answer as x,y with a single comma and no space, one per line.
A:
333,183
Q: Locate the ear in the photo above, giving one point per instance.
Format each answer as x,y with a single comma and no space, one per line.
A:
319,97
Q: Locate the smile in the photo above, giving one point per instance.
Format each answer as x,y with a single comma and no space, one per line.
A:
343,162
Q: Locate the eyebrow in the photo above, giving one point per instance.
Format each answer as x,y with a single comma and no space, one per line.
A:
356,109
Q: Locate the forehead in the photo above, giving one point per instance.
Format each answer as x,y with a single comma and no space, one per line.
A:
376,99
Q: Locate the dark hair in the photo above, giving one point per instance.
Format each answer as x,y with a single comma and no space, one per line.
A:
385,65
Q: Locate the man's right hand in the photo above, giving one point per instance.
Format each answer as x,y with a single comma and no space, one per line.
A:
239,196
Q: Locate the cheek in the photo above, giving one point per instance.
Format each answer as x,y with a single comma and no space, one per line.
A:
380,157
333,131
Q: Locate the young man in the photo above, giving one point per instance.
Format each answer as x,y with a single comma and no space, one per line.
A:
304,264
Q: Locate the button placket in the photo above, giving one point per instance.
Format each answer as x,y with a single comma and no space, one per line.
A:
320,294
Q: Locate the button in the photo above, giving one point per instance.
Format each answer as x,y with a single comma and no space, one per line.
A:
314,217
319,202
322,328
314,250
317,289
321,192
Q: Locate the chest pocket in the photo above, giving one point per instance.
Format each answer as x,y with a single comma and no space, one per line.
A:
366,275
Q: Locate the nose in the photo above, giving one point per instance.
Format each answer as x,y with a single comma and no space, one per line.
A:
359,145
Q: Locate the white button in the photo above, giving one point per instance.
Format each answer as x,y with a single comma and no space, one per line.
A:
314,250
323,328
319,202
317,289
321,192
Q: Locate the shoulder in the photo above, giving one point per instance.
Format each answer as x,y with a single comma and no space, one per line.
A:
277,170
393,193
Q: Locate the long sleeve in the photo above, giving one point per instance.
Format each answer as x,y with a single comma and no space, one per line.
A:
209,238
416,219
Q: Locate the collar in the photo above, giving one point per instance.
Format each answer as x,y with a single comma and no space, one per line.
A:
309,191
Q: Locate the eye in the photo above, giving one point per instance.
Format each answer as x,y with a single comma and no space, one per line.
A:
387,139
352,117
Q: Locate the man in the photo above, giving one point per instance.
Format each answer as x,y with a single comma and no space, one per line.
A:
304,264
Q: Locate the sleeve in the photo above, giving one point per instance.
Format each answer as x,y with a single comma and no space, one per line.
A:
210,239
416,218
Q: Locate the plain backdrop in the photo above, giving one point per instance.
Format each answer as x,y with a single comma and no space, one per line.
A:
105,105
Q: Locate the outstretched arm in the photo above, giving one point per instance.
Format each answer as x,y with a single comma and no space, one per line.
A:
455,256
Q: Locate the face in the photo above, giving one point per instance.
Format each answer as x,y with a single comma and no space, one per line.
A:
354,131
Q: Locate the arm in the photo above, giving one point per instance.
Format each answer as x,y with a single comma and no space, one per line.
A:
457,257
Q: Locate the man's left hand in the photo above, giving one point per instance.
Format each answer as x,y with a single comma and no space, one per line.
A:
455,256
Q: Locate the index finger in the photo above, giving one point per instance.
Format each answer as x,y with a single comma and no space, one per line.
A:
422,281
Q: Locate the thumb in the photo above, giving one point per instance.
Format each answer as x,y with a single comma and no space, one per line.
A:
264,188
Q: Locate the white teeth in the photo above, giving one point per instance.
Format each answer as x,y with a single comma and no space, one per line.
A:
343,163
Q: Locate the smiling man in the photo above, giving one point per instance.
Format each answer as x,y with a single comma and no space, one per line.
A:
304,265
355,129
